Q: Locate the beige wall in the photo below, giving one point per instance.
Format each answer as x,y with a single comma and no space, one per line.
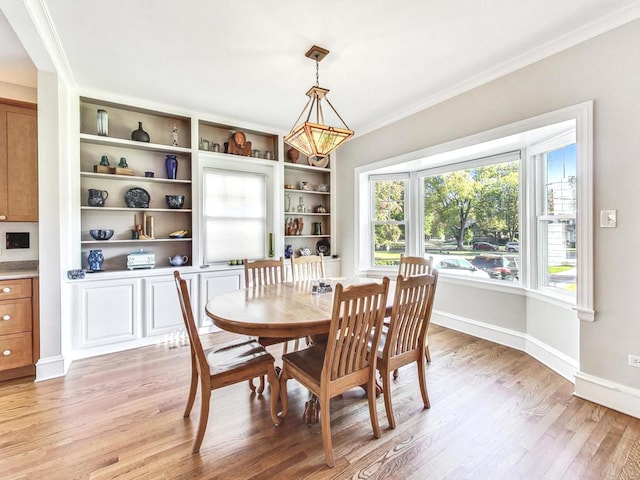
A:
605,69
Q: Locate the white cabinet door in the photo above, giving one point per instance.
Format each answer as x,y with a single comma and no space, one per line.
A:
215,283
332,267
106,312
161,305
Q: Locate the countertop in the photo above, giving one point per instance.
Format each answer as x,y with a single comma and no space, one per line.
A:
13,270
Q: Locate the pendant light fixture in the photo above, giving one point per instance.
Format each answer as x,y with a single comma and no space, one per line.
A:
313,137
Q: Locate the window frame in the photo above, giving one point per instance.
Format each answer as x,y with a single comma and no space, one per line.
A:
372,205
535,155
249,166
414,161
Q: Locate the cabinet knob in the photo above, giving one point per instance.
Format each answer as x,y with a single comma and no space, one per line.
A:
3,217
6,317
6,353
6,289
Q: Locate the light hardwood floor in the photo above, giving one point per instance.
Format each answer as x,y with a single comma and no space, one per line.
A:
495,414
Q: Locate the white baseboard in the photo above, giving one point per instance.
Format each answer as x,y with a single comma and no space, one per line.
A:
50,367
610,394
557,361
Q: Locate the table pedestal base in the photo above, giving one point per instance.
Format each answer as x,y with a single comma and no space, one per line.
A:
311,414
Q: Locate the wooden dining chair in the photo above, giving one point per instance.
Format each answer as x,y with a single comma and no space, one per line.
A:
408,267
265,272
403,342
330,369
307,267
414,265
222,365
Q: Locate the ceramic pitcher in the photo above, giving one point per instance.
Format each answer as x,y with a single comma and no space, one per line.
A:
97,197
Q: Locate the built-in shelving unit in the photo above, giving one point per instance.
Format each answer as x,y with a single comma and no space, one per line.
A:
146,160
307,197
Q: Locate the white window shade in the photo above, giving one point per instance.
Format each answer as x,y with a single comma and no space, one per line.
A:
235,215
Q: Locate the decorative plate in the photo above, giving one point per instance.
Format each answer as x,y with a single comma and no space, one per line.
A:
137,198
323,247
319,162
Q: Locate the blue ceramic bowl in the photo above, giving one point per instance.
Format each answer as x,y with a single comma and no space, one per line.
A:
175,201
101,234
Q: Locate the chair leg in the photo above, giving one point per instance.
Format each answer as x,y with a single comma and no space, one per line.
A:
284,399
275,393
204,418
373,411
422,378
252,387
395,374
192,389
260,388
386,390
296,345
427,354
325,424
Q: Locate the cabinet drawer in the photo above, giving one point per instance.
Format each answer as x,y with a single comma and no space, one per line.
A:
20,288
15,351
15,316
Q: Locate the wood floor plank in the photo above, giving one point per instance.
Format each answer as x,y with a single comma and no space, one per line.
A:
496,413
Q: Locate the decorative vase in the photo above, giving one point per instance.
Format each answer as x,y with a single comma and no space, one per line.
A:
103,123
95,260
140,135
171,163
288,251
287,203
293,155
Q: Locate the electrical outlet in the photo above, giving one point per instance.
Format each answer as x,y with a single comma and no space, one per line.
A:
634,360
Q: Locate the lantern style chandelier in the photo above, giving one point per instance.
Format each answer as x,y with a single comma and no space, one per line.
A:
313,137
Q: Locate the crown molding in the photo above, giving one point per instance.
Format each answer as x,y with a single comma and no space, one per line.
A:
31,21
570,39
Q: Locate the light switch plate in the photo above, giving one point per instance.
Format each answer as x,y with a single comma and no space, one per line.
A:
608,219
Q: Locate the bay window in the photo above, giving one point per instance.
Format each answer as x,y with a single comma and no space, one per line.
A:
516,205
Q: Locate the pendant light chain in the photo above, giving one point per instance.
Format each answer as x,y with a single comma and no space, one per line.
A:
317,71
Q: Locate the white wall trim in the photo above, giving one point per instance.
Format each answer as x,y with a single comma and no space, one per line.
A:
557,361
50,367
610,394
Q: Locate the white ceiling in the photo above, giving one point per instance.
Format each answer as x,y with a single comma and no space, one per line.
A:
244,61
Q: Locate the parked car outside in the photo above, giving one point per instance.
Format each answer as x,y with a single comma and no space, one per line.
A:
512,246
484,246
501,267
454,265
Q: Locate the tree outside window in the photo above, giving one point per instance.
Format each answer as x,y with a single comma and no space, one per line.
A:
388,221
476,203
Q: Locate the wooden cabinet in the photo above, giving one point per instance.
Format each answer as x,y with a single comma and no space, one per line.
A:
125,190
217,283
161,308
18,328
106,312
18,162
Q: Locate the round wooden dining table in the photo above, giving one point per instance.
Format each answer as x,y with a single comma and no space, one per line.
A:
281,311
